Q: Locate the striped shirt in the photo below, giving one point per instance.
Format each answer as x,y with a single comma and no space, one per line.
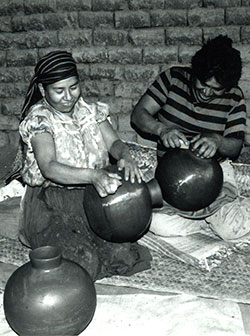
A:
173,91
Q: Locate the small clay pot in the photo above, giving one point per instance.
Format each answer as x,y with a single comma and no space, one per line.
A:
49,296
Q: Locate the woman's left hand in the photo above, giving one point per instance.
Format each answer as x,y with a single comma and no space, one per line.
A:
206,146
131,170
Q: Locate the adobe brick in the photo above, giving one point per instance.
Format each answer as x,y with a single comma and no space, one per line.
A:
147,37
168,17
12,106
21,57
90,54
245,34
22,23
109,5
97,88
10,74
41,6
146,4
245,72
8,122
83,71
13,137
6,40
73,38
221,3
160,55
186,53
110,37
244,51
106,71
73,5
231,31
30,40
4,139
2,58
245,86
238,16
129,89
125,55
13,90
28,72
128,19
119,105
142,73
95,19
5,24
187,35
183,4
11,7
61,21
206,17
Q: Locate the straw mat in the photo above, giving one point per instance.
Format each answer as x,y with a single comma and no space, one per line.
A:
228,281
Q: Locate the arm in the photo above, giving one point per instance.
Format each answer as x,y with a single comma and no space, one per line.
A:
120,151
208,145
230,147
44,149
143,118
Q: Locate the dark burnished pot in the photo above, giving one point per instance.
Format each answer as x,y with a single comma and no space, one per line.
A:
126,215
49,296
188,182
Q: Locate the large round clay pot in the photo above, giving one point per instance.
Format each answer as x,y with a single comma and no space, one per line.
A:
125,215
188,182
49,296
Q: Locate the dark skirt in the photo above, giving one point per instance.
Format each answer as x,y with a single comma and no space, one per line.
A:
55,216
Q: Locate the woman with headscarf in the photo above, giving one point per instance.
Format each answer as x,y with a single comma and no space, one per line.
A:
67,143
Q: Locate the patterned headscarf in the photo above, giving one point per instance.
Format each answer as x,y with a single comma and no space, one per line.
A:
51,68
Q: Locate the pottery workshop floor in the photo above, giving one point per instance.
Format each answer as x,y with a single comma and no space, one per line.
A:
124,310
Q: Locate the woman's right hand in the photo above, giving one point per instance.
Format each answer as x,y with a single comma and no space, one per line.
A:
172,138
105,183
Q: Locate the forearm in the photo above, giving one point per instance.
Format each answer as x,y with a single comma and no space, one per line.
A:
143,120
67,175
229,147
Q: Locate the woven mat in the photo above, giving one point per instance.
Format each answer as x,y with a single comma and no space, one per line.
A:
228,281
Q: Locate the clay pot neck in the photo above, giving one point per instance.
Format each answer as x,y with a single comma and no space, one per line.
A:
45,257
155,193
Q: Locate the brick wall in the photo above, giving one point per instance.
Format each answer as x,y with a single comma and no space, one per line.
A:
120,46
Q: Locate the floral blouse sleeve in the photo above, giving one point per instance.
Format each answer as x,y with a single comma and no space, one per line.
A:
34,124
102,112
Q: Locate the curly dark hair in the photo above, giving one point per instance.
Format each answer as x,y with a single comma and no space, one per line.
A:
217,58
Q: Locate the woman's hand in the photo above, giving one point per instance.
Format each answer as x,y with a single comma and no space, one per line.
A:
206,146
131,170
105,183
172,137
